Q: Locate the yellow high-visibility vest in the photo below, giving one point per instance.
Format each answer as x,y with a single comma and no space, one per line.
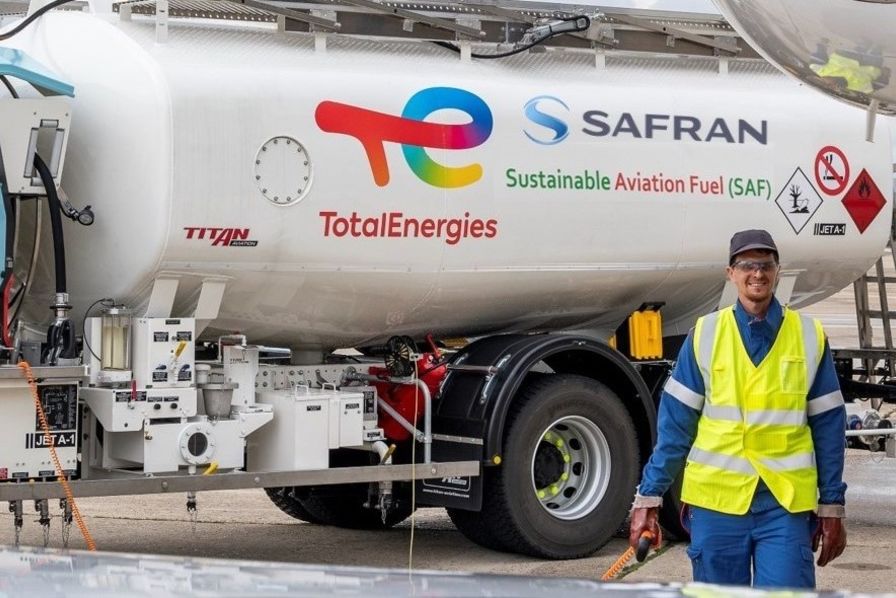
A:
858,77
754,422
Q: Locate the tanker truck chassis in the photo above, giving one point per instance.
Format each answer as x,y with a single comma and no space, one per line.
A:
516,428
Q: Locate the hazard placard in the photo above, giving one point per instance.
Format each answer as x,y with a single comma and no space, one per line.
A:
798,200
831,170
863,201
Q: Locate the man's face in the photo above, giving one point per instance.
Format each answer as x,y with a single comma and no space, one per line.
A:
754,273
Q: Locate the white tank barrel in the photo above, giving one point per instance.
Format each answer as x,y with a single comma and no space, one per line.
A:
391,188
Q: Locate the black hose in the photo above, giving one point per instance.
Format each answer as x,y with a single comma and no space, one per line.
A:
55,222
37,13
549,35
9,87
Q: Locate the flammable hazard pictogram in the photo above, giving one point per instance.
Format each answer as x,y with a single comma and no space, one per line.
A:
863,201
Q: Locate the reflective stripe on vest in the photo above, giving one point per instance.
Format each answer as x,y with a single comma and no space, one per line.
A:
754,421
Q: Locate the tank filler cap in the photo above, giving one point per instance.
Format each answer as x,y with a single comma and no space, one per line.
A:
283,170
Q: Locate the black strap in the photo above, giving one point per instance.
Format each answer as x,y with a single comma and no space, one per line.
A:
10,221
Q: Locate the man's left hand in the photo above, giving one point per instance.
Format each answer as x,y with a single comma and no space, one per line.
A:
831,534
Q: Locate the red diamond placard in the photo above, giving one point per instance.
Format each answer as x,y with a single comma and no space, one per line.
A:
863,201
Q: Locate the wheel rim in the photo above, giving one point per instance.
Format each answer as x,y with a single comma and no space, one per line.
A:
571,467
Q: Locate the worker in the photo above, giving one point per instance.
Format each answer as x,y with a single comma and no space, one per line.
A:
754,413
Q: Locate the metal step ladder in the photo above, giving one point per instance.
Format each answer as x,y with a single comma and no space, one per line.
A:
878,360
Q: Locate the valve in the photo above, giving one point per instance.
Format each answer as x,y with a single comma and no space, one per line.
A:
15,507
66,521
385,500
192,511
42,506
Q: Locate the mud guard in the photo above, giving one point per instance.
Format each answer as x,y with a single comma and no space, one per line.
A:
470,413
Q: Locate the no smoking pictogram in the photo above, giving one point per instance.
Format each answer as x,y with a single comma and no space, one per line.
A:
831,170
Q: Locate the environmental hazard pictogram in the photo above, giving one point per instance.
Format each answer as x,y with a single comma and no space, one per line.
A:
863,201
798,200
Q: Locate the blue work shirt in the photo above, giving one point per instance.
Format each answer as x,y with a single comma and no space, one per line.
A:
677,420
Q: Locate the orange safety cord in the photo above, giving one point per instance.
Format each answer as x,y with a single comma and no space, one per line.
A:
29,375
4,326
614,570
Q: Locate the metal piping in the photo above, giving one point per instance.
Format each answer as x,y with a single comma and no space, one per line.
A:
426,436
401,420
427,417
872,432
230,337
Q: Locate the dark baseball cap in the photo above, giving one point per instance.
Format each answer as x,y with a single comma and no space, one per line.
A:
746,240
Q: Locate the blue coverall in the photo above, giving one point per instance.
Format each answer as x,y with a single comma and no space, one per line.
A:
775,542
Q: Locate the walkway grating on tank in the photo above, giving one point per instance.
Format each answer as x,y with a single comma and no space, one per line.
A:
499,25
202,9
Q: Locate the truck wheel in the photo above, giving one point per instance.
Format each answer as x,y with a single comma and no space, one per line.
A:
287,502
347,508
342,505
570,466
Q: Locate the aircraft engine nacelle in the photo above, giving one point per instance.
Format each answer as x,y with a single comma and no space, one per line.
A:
844,48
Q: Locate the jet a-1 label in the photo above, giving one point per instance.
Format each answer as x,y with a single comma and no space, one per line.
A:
39,440
829,229
798,200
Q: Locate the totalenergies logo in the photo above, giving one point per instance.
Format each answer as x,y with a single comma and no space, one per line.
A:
373,129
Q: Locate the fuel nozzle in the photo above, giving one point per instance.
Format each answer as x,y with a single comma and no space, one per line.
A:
60,348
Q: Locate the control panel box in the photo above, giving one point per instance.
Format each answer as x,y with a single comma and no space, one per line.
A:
167,447
24,448
124,410
164,352
307,423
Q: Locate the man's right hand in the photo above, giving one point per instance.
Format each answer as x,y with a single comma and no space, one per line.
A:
644,519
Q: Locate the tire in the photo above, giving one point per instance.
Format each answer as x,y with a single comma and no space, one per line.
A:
347,509
285,499
570,466
342,505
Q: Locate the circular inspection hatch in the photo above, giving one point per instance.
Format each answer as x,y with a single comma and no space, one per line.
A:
283,170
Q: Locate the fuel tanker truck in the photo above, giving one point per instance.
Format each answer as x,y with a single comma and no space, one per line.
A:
513,215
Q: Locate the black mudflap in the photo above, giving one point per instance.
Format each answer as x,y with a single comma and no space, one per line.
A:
455,492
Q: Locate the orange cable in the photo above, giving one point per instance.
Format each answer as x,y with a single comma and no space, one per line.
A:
619,565
4,326
614,570
29,375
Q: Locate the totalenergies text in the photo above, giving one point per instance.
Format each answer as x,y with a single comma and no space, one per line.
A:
395,225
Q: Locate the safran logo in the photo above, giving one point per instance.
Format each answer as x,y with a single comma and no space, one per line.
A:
541,110
373,129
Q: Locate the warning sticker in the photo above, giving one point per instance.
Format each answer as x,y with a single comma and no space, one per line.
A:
798,200
831,170
863,201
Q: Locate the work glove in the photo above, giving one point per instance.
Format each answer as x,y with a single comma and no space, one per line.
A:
644,519
830,533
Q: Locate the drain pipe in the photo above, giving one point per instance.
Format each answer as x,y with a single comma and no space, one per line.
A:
384,451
